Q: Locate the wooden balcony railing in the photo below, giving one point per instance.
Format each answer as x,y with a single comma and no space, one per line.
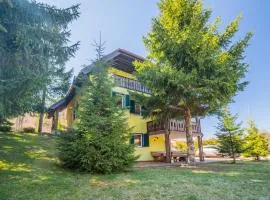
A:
173,126
130,84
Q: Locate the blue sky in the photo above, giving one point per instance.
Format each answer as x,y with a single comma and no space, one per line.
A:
124,22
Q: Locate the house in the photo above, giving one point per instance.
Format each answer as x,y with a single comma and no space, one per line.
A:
148,136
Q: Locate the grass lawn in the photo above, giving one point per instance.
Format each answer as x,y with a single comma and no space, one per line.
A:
29,170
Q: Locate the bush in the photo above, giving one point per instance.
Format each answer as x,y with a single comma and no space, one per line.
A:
106,154
69,149
29,130
5,126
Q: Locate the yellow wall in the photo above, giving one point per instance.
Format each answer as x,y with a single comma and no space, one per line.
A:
62,119
136,123
70,108
113,70
156,143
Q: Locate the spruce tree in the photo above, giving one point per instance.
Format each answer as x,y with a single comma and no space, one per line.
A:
101,140
32,43
229,135
256,144
102,126
192,68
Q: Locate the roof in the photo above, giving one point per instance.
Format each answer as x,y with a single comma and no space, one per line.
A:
120,59
63,102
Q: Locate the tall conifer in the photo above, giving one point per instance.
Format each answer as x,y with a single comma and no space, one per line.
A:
33,43
192,68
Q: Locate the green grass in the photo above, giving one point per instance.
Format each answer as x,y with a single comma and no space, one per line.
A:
29,170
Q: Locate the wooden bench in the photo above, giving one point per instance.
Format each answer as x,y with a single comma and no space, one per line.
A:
176,156
159,156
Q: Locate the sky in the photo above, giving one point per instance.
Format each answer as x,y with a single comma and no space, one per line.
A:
123,23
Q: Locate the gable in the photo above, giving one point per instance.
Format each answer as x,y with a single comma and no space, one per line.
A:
121,61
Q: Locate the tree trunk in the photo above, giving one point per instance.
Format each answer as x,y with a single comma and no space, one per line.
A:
189,136
234,158
167,142
200,146
232,148
41,115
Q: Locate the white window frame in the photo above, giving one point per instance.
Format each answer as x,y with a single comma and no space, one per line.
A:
123,99
141,135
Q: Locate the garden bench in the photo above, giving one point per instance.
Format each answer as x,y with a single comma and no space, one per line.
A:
176,156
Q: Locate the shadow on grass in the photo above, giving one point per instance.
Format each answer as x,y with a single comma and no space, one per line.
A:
26,153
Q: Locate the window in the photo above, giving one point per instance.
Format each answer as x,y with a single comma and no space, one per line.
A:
135,107
138,140
120,100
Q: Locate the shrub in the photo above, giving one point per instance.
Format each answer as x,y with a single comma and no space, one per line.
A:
29,130
5,126
69,149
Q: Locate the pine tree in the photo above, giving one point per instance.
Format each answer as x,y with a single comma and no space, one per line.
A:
192,69
256,144
229,135
33,42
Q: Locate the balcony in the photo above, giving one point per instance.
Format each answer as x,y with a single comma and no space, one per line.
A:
130,84
177,126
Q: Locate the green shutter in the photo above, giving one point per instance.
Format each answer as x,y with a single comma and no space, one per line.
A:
132,106
113,93
146,140
127,99
132,139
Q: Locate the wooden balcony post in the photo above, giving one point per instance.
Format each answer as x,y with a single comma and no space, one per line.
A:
167,142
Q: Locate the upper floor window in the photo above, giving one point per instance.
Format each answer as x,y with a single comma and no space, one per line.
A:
120,99
135,107
123,101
